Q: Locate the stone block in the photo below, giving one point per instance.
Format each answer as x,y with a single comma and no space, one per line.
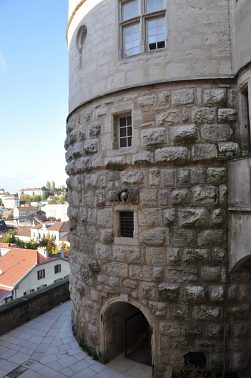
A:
158,308
139,272
195,294
95,130
155,256
204,195
172,154
169,292
150,217
104,217
153,237
127,254
183,96
169,216
147,100
91,146
163,197
116,269
203,115
214,96
216,175
218,216
167,177
222,194
229,147
154,177
197,255
115,163
216,133
204,151
132,177
100,199
211,274
143,158
179,196
172,116
101,111
182,237
130,283
183,176
148,197
214,330
171,329
218,255
193,217
152,137
106,236
148,290
173,255
184,134
206,312
212,237
164,97
216,293
227,115
197,175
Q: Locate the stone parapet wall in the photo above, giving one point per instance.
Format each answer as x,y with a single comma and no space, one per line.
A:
175,174
19,311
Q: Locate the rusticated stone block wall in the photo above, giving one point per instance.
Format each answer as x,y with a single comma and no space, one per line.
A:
175,265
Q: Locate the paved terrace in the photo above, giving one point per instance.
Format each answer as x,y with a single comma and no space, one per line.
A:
46,347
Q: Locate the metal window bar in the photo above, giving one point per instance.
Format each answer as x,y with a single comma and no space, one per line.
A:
126,219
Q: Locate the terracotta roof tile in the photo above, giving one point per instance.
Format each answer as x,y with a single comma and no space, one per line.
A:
16,263
59,226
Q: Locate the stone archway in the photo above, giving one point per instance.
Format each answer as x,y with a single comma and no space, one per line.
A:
239,319
126,328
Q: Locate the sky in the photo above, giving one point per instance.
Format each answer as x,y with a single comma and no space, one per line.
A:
33,92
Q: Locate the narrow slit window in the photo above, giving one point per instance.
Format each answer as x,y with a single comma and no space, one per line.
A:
126,223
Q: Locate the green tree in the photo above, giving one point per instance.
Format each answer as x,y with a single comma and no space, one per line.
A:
9,237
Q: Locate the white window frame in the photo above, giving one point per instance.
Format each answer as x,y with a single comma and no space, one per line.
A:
141,19
117,137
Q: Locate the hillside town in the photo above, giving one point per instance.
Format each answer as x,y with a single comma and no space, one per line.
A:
34,242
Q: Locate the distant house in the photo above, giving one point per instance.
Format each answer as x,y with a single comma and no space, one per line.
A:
24,212
10,201
57,231
57,211
24,233
31,192
23,271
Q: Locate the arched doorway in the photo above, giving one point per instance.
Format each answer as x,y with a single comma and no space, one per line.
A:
125,329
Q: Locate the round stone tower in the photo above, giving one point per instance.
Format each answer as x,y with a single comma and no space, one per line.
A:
152,117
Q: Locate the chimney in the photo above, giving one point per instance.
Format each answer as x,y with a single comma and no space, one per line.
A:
43,251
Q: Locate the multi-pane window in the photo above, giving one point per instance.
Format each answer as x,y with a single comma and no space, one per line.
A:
143,26
40,274
155,29
125,131
57,268
126,224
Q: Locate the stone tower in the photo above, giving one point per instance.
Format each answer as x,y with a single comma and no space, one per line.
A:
155,86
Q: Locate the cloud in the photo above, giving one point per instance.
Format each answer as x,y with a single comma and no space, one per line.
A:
3,64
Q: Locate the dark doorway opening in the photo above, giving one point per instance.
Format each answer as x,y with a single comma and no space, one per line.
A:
127,331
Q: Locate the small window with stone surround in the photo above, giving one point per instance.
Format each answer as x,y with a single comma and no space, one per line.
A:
123,130
126,224
143,26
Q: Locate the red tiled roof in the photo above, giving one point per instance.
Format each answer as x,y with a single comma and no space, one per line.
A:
16,263
59,226
24,231
64,238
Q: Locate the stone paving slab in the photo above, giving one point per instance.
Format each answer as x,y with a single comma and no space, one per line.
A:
46,348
